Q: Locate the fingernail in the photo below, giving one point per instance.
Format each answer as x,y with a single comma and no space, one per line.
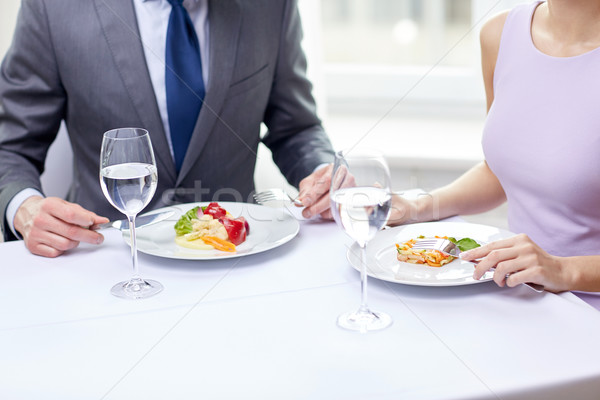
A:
306,213
465,254
100,239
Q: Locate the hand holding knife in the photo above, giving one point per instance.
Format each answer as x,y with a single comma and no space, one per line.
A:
141,221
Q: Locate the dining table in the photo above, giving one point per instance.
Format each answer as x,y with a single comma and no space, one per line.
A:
263,326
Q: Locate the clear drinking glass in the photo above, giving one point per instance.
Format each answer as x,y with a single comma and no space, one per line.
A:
361,203
128,178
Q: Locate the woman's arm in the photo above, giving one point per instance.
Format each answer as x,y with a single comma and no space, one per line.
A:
583,272
478,190
489,38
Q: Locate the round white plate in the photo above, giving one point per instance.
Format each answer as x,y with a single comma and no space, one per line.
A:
383,264
269,228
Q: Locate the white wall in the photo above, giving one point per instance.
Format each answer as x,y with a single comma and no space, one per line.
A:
8,16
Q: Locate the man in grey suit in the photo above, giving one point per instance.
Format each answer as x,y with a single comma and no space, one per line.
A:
96,64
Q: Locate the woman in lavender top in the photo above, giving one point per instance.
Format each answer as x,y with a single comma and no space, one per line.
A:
541,69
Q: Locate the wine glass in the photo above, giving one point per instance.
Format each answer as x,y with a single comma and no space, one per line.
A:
128,178
361,203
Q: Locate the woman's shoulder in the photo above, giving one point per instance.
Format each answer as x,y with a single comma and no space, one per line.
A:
491,32
518,18
490,35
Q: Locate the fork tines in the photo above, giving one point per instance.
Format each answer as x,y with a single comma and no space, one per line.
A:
275,195
264,196
439,244
271,195
428,243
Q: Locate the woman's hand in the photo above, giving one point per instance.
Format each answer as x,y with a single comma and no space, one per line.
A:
519,260
404,211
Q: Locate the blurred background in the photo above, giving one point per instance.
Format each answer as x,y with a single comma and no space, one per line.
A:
402,76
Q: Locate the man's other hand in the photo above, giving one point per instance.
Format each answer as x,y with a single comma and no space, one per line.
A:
314,193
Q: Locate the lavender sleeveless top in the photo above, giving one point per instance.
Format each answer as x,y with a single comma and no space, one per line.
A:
542,140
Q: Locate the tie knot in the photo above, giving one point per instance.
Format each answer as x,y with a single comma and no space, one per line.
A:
175,3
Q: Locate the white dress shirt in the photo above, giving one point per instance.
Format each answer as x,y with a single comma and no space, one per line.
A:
153,20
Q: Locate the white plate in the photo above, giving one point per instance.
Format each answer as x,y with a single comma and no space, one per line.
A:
383,264
269,228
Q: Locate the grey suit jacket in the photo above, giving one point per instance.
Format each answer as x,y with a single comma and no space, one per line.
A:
82,61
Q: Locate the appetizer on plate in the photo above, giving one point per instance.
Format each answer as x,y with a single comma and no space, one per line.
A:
433,258
210,227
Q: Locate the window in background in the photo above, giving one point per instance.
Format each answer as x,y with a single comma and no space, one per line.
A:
397,32
405,75
386,47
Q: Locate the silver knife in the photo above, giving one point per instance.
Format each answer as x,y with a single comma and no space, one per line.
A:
142,220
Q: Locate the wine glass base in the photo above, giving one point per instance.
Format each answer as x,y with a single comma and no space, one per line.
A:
364,321
136,289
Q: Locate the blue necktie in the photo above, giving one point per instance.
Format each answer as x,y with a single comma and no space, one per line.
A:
183,79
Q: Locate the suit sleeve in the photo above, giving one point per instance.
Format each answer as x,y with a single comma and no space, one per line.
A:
32,103
295,136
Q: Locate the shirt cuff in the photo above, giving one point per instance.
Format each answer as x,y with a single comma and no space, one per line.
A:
14,205
320,166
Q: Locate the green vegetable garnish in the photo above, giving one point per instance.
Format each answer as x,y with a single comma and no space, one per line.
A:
184,225
465,244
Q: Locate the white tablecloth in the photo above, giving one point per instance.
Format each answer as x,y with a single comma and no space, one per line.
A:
263,327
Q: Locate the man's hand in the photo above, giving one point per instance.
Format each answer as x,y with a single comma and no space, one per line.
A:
50,226
314,193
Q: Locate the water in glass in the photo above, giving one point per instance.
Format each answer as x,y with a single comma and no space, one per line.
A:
128,178
361,199
129,187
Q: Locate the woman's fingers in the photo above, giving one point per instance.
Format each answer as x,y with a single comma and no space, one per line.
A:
497,258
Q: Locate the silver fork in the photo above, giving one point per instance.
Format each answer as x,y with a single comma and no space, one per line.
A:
275,195
447,247
443,245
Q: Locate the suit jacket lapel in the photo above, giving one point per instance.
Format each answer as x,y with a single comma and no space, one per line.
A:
224,20
121,31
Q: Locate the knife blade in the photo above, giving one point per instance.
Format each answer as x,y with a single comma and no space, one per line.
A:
141,221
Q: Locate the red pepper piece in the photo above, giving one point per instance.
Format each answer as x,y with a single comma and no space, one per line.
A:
236,229
215,210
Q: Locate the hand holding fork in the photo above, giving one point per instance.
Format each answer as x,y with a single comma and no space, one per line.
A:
482,265
314,194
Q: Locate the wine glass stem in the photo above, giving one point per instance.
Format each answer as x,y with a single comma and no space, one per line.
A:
134,260
363,278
